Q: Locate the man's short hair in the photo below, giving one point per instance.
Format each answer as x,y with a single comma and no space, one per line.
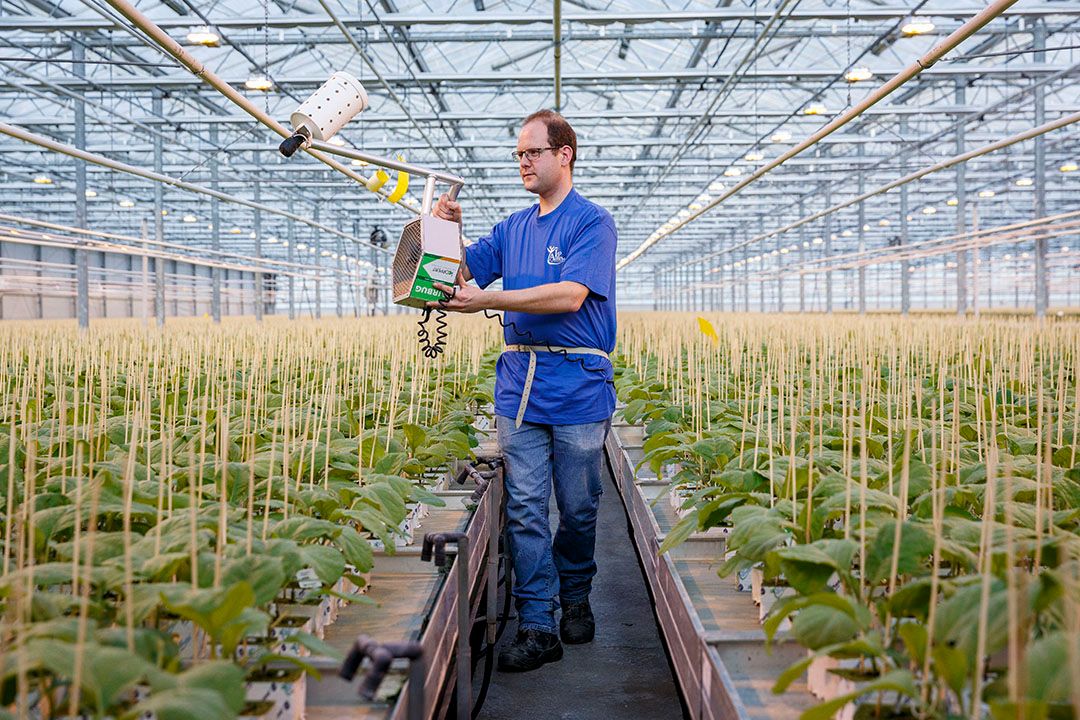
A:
559,131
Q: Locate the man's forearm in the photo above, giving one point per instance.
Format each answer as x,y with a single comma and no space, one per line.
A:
560,297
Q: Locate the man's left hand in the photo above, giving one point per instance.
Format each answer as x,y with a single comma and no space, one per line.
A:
467,299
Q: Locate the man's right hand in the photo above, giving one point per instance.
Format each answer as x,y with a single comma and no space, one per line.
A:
447,209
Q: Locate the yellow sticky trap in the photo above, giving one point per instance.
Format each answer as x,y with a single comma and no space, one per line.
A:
707,329
401,188
377,180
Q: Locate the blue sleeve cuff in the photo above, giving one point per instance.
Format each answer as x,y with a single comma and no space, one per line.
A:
479,264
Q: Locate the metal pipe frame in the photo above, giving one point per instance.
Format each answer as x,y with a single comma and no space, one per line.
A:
968,29
1029,134
41,141
717,15
473,75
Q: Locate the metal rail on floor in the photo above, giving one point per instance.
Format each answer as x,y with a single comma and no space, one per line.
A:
417,601
711,629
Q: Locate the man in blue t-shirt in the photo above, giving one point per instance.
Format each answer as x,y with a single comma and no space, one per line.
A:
553,390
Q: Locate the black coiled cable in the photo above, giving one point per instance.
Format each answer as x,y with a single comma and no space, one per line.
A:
511,325
434,349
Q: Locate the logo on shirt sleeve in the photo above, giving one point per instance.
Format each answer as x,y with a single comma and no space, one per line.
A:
555,256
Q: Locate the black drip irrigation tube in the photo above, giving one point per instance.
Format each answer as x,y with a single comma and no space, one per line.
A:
489,651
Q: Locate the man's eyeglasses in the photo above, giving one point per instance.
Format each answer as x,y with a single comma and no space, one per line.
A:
532,154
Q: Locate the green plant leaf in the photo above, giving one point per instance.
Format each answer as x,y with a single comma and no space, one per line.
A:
787,606
415,436
951,666
327,562
792,673
683,529
356,549
914,636
899,681
183,703
818,626
916,545
315,645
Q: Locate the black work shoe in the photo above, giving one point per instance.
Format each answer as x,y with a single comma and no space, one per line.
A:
577,625
530,649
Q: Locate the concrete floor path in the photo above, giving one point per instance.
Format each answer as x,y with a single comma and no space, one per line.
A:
624,674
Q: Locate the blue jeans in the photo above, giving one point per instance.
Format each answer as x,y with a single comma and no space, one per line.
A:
572,456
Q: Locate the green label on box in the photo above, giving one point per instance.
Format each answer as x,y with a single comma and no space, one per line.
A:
433,269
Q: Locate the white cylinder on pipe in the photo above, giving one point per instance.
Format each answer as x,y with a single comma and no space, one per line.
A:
330,107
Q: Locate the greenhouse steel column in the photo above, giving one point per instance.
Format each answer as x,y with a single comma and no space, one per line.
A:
317,244
746,279
215,228
257,227
1042,299
779,276
828,250
802,258
705,273
684,285
292,258
961,205
340,278
82,269
905,268
763,256
159,219
731,279
861,152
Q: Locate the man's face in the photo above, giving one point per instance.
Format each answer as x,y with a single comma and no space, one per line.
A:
543,174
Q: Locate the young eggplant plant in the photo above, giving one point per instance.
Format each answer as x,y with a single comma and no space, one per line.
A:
914,484
169,497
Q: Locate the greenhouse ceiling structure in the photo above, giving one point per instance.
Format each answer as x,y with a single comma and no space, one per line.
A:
795,154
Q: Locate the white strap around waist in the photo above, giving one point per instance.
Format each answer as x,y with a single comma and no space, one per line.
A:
532,350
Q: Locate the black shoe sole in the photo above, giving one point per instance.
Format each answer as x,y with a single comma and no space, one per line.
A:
553,655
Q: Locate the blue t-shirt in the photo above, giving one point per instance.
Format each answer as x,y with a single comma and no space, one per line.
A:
575,241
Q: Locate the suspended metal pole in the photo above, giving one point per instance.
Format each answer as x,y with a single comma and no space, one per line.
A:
1042,288
169,45
958,36
82,261
1046,127
159,217
558,54
42,141
961,206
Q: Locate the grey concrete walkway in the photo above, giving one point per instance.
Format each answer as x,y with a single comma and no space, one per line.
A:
624,673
